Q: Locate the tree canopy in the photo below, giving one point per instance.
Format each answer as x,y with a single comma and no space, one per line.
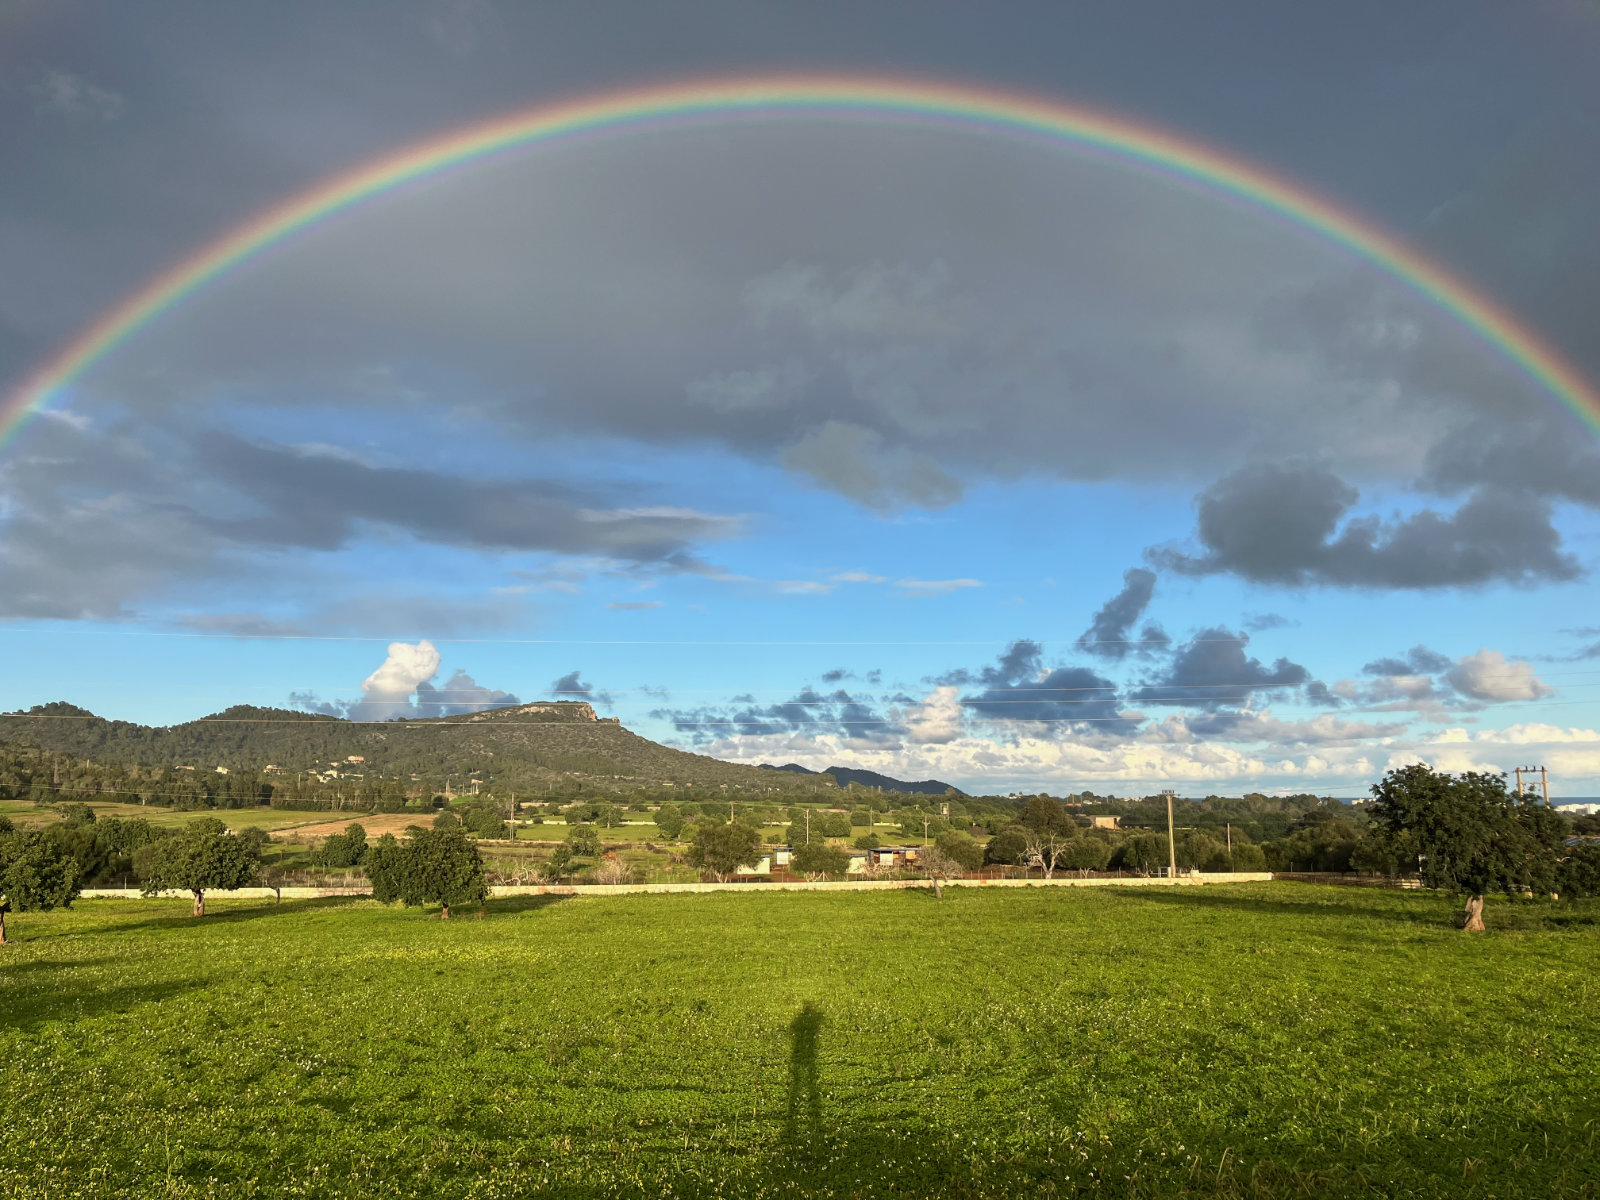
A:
35,875
818,858
432,866
1469,833
720,850
203,857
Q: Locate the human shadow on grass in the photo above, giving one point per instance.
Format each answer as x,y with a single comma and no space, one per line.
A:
802,1124
27,1009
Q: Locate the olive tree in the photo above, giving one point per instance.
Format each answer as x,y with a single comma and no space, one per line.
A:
205,856
35,876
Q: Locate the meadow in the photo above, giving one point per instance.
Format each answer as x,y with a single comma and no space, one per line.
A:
1243,1040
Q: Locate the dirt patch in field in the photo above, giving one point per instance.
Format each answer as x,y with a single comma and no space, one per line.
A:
376,825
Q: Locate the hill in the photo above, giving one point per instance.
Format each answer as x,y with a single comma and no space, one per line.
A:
844,776
532,746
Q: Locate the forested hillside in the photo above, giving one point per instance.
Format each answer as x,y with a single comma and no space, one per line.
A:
536,747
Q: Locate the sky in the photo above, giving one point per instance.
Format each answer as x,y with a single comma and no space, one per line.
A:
820,440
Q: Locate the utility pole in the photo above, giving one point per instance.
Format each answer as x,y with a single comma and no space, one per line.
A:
1544,781
1172,845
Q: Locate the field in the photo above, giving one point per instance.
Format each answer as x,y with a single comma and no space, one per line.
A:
26,812
1269,1039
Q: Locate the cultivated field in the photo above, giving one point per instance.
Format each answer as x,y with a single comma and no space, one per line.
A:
26,812
1270,1039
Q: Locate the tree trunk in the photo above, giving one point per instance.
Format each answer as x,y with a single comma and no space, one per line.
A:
444,912
938,888
199,904
2,926
1474,915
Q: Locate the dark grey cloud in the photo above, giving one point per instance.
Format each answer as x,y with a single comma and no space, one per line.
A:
1259,622
837,713
572,687
1547,456
1020,688
1419,660
1289,523
1213,671
96,520
319,500
894,314
1107,635
312,703
1319,695
460,694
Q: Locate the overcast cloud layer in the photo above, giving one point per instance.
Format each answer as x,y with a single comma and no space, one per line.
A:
1190,475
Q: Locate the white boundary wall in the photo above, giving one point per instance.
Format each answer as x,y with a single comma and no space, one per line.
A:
633,889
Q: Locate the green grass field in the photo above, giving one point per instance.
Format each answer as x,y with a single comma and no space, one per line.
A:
26,812
1270,1039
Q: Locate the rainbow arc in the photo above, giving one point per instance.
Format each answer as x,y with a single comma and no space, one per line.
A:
822,98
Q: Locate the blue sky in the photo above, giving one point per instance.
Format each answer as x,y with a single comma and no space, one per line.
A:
820,442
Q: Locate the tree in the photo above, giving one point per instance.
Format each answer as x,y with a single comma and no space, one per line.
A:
960,848
1471,835
1145,852
446,820
432,866
669,819
1247,856
1046,830
720,850
1008,846
584,840
483,821
35,876
75,813
203,857
867,841
1045,814
1086,854
938,866
345,849
817,859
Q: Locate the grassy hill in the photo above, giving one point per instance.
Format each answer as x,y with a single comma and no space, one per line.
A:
528,746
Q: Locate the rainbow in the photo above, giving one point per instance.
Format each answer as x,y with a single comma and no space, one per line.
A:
938,104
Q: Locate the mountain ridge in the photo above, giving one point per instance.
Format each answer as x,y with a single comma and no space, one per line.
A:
538,746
